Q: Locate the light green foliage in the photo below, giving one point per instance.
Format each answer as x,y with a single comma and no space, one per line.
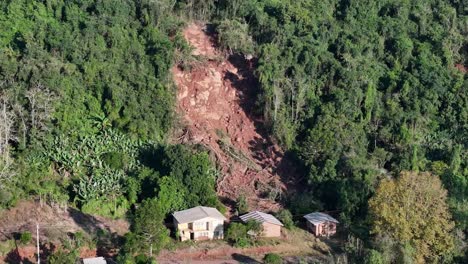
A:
237,234
286,218
233,36
171,195
272,258
99,163
412,210
243,235
373,257
151,234
25,238
63,257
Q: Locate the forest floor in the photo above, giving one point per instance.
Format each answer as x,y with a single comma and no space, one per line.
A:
216,100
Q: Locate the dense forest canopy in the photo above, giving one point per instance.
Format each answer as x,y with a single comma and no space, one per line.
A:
360,88
355,91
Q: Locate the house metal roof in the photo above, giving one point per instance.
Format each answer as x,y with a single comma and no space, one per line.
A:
197,213
98,260
319,218
260,217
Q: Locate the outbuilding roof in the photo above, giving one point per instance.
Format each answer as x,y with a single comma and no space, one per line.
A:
260,217
319,218
197,213
98,260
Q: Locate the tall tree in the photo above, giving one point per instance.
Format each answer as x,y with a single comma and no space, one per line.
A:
149,227
412,210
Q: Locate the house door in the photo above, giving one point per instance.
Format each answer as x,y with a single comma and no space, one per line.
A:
192,236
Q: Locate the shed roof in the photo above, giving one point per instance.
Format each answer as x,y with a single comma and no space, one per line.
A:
319,218
98,260
197,213
260,217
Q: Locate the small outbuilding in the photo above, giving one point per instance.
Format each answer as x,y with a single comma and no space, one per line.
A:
271,225
321,224
98,260
199,223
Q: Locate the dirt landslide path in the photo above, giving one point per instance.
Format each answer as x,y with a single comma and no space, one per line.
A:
216,100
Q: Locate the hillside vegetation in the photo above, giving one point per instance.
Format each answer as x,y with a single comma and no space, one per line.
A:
358,94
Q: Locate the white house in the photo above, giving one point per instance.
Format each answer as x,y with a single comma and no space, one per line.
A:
199,223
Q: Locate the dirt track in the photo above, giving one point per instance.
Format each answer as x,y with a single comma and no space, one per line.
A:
216,99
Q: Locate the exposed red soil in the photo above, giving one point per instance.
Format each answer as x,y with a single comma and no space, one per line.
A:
462,68
216,99
55,223
294,243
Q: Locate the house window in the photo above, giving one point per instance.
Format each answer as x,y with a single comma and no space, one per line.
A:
199,225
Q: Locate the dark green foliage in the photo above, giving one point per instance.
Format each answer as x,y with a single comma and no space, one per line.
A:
272,258
357,89
195,171
242,206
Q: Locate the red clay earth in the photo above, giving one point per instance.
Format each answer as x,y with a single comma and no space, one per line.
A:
54,223
216,100
462,68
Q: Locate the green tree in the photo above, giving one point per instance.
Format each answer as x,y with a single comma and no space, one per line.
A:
412,210
171,195
149,229
237,234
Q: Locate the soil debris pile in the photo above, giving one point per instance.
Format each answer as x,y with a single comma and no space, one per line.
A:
216,99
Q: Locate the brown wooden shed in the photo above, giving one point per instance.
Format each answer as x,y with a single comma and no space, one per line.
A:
271,225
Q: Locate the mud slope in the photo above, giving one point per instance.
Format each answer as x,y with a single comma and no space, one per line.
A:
215,98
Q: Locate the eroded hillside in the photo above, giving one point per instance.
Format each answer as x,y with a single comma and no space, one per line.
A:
216,99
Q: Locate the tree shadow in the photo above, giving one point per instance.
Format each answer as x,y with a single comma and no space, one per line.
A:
14,257
106,240
87,222
264,150
246,85
244,259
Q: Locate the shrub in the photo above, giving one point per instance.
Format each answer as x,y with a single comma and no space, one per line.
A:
285,217
272,258
116,208
237,234
373,257
63,257
25,238
241,204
